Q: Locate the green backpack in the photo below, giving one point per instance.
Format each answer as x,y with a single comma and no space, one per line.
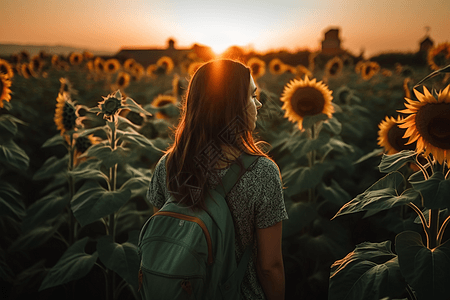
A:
191,255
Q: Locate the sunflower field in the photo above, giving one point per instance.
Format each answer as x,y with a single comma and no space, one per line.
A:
363,146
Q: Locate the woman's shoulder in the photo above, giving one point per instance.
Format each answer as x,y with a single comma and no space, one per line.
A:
265,165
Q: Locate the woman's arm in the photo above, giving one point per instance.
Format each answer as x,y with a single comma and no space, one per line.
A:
269,264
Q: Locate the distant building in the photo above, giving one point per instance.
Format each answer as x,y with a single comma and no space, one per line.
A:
148,56
331,44
426,44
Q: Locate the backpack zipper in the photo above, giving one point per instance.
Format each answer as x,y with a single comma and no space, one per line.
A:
192,219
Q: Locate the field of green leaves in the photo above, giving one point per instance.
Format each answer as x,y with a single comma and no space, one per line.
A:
80,136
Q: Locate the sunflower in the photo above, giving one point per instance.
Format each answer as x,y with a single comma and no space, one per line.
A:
162,100
66,87
334,67
193,67
344,95
99,65
150,71
82,143
406,88
65,113
166,63
369,69
428,123
386,72
439,56
55,60
122,81
137,71
306,98
276,66
5,83
76,58
36,63
6,68
90,65
87,55
111,105
112,65
312,60
390,136
27,71
179,86
302,70
128,64
359,66
257,67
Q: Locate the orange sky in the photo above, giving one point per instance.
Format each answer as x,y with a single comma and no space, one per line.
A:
377,26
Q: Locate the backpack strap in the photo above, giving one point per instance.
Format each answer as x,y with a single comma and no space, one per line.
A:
231,177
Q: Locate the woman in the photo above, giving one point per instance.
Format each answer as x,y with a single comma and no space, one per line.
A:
216,125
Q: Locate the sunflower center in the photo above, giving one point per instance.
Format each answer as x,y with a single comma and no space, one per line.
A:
433,124
163,102
3,69
334,68
82,144
112,105
69,116
276,67
307,101
121,81
396,140
255,68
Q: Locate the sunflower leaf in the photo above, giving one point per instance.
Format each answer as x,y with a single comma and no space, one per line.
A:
45,209
10,203
106,154
300,179
433,74
74,264
374,153
303,146
426,270
8,128
395,161
435,191
52,166
89,171
133,106
382,195
300,215
54,141
309,121
89,131
12,155
371,271
93,202
121,258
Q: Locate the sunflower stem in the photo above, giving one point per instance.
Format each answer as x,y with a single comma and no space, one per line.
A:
72,221
434,227
422,168
422,219
311,162
112,225
442,230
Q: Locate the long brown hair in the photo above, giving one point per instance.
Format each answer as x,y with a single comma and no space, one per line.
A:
214,114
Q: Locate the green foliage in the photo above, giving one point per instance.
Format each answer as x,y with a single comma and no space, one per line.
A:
370,272
427,270
74,264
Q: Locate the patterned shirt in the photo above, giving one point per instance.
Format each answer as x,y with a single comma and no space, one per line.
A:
256,201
